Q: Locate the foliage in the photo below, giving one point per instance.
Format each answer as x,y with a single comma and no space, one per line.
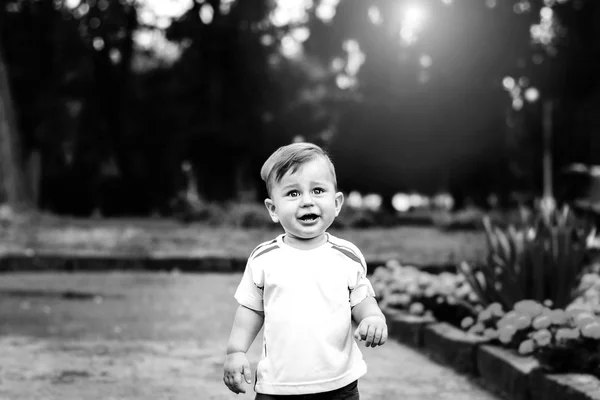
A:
254,215
467,219
232,214
563,340
93,100
445,296
248,215
541,261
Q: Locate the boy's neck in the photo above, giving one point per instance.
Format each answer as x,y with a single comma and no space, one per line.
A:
305,244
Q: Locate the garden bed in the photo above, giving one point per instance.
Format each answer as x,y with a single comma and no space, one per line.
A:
513,375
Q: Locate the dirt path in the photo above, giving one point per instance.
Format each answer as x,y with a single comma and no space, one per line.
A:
152,336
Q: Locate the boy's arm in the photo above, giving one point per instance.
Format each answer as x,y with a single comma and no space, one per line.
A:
371,322
366,308
246,325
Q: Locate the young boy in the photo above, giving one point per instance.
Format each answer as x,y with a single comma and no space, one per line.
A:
305,286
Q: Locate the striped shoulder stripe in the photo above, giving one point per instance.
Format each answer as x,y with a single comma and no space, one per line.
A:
262,246
265,250
347,252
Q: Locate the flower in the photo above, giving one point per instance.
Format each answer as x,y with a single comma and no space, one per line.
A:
542,337
528,307
416,308
575,311
591,330
526,347
412,289
467,322
564,334
588,280
522,322
402,299
477,329
558,317
506,333
496,309
541,322
508,319
463,291
397,287
381,274
424,279
490,333
546,311
484,315
583,319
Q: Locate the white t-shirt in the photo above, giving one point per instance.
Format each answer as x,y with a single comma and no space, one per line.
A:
306,296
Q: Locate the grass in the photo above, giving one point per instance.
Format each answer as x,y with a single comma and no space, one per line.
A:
169,238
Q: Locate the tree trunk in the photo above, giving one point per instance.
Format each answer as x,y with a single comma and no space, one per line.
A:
12,178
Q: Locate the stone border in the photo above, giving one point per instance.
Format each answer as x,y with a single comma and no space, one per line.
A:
87,261
95,263
506,372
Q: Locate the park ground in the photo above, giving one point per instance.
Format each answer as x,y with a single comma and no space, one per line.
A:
159,336
162,335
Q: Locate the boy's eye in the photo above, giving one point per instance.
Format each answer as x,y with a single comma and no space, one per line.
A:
293,193
318,191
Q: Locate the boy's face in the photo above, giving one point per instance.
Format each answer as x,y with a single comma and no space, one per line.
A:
305,203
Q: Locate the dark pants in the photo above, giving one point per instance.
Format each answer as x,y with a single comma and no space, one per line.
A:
348,392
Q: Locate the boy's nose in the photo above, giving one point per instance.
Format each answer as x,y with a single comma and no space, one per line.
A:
307,201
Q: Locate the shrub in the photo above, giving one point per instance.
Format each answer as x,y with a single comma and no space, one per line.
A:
210,213
355,218
241,215
248,215
539,261
445,296
468,219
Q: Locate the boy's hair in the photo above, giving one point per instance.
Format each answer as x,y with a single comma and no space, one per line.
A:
290,158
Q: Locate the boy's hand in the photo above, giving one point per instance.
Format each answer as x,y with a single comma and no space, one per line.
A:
236,368
373,330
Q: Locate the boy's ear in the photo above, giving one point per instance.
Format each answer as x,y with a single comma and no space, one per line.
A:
339,200
271,209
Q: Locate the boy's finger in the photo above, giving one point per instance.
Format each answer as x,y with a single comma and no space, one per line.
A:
370,334
239,385
377,337
247,373
229,384
384,337
357,334
237,379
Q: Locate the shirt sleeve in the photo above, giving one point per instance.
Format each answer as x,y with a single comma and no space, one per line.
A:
249,292
360,286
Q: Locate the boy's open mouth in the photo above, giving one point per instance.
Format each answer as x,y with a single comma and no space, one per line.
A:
308,217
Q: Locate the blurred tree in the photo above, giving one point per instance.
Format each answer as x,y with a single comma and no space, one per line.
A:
241,94
12,178
432,80
428,108
560,65
13,190
116,101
